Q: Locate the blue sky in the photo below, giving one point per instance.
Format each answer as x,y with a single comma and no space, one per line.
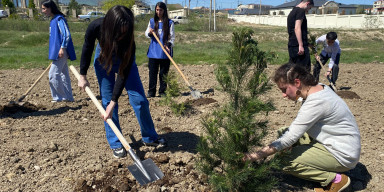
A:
233,3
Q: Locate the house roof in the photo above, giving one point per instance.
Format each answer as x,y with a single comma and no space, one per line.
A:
318,3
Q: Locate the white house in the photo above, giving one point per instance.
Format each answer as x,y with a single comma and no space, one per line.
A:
321,7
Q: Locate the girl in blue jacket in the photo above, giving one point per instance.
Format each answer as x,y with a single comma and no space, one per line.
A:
163,27
60,49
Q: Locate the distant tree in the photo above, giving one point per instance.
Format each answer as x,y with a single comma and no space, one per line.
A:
73,5
9,4
31,4
360,9
107,4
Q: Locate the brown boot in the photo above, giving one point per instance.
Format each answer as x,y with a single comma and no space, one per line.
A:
336,187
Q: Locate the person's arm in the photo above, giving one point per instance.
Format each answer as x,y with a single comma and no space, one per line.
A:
172,35
149,31
298,34
118,89
63,28
335,51
90,37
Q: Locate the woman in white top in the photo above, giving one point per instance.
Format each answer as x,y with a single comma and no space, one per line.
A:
324,138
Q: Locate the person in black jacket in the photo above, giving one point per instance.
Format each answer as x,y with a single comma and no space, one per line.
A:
115,54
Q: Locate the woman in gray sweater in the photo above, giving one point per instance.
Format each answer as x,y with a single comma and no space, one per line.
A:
324,138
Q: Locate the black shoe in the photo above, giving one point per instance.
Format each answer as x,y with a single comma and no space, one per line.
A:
119,152
150,95
162,94
159,142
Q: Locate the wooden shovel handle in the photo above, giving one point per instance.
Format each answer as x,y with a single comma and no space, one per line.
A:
170,58
33,85
102,111
322,66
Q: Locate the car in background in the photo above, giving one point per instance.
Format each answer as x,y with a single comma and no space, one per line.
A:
3,14
179,20
90,16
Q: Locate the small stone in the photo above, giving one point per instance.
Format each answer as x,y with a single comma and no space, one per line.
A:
37,168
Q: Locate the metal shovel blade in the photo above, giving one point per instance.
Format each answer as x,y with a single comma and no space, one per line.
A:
147,172
195,94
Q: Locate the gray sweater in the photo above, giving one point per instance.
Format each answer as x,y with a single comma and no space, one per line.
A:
327,119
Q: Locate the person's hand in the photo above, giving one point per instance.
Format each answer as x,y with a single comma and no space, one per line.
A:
61,52
151,31
317,58
301,50
328,72
83,82
109,110
167,49
253,156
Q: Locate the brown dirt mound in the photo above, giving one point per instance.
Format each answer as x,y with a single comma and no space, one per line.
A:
25,107
348,95
200,101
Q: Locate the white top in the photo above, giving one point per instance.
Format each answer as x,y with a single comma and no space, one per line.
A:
171,32
327,119
329,51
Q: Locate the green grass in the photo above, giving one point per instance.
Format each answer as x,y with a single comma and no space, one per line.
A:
24,44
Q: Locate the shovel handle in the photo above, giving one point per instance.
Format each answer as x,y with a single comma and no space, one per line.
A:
33,85
102,111
322,66
170,58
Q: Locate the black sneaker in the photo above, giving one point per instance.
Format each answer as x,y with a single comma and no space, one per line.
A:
119,152
159,142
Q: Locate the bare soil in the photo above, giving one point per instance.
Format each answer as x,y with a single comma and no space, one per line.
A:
62,146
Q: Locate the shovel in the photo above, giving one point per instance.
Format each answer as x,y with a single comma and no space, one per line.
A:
144,171
195,93
329,79
33,85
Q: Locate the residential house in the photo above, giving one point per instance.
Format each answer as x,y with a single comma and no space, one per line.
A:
140,8
321,7
378,7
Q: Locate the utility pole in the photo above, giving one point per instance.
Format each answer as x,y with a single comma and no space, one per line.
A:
210,16
260,12
214,15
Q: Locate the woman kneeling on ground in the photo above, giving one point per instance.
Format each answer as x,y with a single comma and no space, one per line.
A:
324,137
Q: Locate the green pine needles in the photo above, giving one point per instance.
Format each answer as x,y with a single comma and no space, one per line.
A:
233,129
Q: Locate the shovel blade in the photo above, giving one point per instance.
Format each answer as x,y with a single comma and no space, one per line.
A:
150,167
195,94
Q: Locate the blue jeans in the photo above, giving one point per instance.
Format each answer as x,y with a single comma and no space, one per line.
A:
137,100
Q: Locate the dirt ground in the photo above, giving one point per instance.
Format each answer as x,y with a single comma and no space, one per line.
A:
62,146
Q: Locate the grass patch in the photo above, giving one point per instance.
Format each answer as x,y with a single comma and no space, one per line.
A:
24,43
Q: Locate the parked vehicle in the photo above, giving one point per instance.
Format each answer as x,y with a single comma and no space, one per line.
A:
90,16
3,14
180,20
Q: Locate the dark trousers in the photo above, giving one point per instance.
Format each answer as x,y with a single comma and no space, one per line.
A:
335,68
153,66
302,60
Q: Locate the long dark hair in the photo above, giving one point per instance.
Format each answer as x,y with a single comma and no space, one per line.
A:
52,5
165,21
288,72
117,38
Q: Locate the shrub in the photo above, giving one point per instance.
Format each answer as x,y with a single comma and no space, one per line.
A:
233,130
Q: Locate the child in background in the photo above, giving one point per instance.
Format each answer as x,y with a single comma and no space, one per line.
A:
331,50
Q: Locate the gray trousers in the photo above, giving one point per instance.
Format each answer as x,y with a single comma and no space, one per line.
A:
59,80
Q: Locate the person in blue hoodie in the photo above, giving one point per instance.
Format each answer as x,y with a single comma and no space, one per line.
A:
163,27
60,49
